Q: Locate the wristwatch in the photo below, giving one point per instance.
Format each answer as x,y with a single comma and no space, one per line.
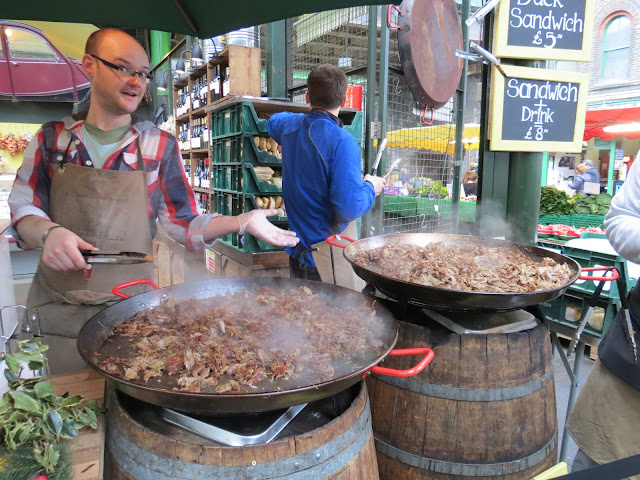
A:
48,231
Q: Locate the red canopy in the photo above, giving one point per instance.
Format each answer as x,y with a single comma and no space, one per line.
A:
598,119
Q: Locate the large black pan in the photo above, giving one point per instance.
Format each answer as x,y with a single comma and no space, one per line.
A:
273,395
448,299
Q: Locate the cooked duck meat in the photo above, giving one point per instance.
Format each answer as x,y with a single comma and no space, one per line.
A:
473,268
244,340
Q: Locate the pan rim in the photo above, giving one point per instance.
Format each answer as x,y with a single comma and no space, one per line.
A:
569,261
155,297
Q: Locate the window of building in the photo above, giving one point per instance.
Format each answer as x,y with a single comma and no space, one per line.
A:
617,47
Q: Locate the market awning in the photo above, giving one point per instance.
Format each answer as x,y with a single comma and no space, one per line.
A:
191,17
438,138
597,120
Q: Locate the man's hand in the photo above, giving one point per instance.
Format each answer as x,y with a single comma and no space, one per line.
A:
377,182
255,222
61,250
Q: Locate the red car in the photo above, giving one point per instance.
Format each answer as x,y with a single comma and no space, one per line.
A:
32,68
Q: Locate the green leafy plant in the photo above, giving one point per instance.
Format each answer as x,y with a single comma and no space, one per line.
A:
593,205
32,416
554,202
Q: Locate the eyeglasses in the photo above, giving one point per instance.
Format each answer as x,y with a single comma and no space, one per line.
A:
126,73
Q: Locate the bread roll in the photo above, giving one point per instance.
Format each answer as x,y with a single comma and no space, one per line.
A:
256,139
272,202
278,201
259,202
263,144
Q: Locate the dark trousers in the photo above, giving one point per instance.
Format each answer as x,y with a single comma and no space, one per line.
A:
302,271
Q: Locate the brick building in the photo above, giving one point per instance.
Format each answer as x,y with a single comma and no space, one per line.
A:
613,104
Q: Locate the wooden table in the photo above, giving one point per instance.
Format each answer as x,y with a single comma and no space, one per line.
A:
87,449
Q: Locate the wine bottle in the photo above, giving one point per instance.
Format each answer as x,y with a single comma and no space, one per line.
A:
225,83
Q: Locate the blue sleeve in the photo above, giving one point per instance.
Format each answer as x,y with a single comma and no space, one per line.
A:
350,196
577,182
276,125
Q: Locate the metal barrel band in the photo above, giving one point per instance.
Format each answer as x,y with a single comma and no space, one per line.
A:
468,394
467,469
315,464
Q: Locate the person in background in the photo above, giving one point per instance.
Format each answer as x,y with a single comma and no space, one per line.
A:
98,182
579,179
604,421
322,188
470,183
592,171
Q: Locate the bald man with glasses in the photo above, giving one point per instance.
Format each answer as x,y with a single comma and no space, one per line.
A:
99,181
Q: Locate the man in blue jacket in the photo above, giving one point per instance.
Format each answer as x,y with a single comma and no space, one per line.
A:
592,171
322,188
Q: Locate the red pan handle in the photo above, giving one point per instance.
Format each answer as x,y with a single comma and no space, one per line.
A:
392,372
331,240
424,114
615,276
116,290
389,17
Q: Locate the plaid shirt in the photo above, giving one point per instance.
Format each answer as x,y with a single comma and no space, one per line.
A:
171,198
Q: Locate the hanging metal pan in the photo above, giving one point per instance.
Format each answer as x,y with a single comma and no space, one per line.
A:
429,32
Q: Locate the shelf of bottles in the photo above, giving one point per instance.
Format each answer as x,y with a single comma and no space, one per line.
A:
204,86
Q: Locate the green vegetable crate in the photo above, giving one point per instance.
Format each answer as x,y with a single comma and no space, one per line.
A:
574,220
242,178
237,116
588,258
240,148
234,203
566,311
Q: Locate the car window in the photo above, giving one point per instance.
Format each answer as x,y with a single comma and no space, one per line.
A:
24,44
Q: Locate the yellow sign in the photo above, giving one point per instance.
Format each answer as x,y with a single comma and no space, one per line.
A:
537,110
544,29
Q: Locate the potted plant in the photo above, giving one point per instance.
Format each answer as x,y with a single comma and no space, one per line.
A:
35,422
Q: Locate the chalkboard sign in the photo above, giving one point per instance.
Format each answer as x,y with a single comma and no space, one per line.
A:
537,110
544,29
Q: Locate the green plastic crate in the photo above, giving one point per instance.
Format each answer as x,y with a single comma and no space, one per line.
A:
237,118
567,310
251,204
353,124
252,184
241,117
583,220
588,258
228,203
251,244
226,176
555,219
240,148
241,178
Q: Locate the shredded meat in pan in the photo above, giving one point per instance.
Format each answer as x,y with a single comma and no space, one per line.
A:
473,268
242,341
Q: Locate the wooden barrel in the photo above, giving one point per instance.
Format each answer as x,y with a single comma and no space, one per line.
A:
483,408
342,449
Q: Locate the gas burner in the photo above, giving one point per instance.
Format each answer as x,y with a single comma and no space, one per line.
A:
242,428
455,320
483,323
229,430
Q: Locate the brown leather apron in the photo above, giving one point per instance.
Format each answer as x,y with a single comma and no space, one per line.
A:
333,267
109,209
